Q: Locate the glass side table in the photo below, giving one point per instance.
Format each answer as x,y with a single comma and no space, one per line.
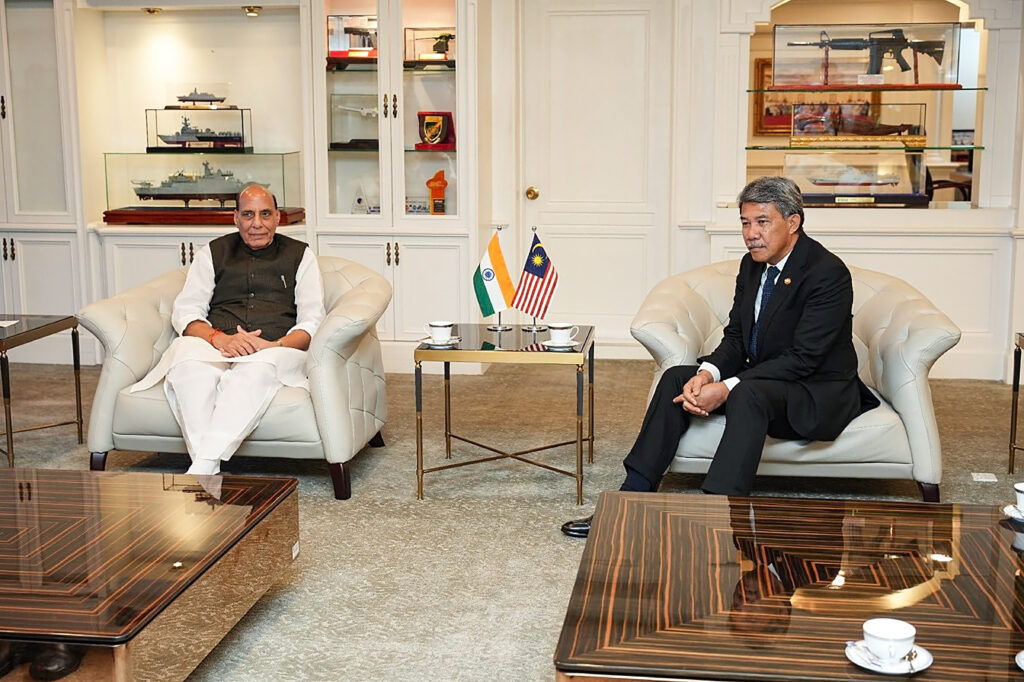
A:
518,346
1014,446
17,330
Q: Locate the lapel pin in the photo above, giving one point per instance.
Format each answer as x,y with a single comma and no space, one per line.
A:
787,281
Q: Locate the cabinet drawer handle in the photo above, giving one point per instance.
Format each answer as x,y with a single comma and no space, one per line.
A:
396,253
3,107
5,248
191,252
387,251
183,253
384,105
13,255
394,106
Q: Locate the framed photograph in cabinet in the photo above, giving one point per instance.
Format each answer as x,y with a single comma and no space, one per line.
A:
773,110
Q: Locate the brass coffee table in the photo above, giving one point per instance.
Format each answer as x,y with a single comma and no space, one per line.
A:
149,571
517,346
28,328
703,587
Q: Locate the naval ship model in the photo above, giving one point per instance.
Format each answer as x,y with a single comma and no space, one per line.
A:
196,97
218,185
191,136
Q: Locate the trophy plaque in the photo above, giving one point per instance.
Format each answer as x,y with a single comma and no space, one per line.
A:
437,185
437,131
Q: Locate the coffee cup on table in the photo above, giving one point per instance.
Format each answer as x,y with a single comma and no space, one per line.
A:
440,330
1019,489
889,639
563,332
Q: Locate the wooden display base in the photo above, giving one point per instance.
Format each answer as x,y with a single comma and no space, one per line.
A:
854,86
211,149
179,215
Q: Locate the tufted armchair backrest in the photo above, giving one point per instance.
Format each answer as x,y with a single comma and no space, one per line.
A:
697,303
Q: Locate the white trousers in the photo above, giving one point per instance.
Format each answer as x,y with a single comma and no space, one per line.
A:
218,404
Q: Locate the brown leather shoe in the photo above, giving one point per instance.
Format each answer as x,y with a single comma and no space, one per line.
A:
54,661
10,656
580,528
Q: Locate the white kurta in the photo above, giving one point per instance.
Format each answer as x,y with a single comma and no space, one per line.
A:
193,303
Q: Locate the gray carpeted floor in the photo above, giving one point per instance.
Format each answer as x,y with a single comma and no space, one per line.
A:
473,581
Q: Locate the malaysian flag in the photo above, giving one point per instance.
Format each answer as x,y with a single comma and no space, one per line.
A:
538,282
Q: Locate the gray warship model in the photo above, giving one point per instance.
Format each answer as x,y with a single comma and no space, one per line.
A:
219,185
189,135
196,97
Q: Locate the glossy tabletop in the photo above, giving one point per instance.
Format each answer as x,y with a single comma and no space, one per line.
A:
31,327
478,344
708,587
92,557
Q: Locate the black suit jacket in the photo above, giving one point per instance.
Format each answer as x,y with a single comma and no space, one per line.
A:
805,337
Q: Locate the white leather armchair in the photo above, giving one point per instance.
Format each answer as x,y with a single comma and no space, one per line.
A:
898,335
342,412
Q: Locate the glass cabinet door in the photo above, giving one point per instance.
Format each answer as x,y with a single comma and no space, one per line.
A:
358,122
31,113
426,169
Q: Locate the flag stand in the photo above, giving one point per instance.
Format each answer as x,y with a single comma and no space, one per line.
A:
534,327
499,327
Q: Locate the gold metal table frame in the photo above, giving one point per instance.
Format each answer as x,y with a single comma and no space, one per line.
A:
517,346
1014,445
28,328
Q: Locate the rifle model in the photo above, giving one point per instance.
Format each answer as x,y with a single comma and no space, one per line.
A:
889,42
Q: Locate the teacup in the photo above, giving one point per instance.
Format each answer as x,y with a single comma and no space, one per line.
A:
440,330
1019,489
563,332
889,639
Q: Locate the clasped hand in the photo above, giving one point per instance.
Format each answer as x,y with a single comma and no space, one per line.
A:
702,396
241,343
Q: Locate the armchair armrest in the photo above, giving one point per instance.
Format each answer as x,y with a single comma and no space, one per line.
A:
673,323
346,375
901,353
135,329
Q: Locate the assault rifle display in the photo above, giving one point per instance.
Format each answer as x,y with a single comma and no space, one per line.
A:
888,42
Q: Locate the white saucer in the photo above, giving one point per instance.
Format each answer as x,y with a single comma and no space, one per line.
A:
1014,512
1019,658
453,341
857,652
556,345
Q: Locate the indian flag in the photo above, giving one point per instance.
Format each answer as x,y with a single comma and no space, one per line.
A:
491,281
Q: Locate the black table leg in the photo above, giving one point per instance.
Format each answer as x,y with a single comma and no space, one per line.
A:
76,358
1013,406
5,377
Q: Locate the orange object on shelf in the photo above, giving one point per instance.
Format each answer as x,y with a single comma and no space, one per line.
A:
437,185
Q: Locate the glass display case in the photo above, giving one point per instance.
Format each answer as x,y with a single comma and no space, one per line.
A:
152,186
177,130
354,122
862,123
393,121
866,55
876,178
429,46
351,39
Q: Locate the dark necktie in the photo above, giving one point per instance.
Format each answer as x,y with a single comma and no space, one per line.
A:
766,293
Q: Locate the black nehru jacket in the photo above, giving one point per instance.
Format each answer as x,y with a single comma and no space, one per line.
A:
254,288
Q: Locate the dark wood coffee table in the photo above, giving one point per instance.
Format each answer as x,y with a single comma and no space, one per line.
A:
702,587
147,570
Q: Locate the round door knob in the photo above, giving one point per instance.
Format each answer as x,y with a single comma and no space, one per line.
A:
532,193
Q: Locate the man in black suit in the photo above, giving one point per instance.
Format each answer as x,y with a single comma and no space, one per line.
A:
785,368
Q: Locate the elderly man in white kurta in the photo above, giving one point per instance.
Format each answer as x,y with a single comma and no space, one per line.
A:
250,306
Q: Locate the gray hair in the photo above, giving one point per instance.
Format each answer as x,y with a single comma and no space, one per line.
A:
777,190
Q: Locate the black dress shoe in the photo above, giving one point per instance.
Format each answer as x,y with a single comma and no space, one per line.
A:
10,656
580,528
54,661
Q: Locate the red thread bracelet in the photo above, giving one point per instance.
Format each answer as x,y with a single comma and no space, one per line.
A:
215,332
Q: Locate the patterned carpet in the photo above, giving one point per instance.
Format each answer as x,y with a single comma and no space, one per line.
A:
472,582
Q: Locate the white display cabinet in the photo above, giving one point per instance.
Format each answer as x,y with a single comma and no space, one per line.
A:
382,71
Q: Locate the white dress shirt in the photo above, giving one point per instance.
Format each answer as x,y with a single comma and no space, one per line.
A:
716,375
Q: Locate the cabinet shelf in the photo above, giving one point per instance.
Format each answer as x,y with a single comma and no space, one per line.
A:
787,148
865,88
429,70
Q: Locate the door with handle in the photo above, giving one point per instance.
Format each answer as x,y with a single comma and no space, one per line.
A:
596,152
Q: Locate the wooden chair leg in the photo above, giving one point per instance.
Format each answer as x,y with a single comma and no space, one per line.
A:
929,491
97,461
341,480
377,441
